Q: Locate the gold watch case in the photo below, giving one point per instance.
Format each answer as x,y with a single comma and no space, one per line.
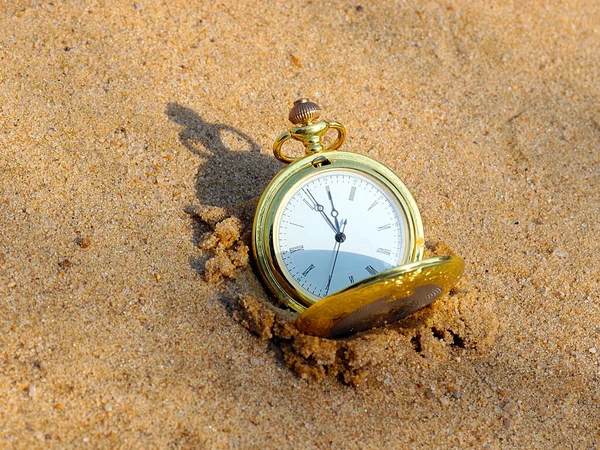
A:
377,300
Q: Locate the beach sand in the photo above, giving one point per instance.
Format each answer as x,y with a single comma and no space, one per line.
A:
134,139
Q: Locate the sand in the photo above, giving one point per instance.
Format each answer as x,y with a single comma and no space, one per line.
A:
131,319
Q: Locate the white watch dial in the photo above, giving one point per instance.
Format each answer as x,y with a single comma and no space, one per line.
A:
337,228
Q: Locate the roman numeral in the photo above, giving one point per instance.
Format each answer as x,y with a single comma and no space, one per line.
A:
371,270
384,227
384,251
371,207
352,192
351,278
298,247
308,269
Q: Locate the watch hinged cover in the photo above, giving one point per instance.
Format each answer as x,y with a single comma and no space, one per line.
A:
383,298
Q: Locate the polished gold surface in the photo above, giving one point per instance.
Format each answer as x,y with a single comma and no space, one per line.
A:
375,301
383,298
310,134
271,201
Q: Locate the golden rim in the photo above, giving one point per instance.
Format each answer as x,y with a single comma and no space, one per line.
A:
272,199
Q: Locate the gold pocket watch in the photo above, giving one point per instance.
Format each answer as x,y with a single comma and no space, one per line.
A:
338,237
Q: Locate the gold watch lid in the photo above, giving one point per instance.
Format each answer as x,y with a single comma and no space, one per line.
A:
383,298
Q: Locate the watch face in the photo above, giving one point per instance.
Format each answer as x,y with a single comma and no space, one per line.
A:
337,228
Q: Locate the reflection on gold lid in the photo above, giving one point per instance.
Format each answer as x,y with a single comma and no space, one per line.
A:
384,298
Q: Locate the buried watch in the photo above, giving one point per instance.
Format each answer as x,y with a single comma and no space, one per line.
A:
338,237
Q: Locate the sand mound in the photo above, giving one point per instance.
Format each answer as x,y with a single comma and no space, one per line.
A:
461,321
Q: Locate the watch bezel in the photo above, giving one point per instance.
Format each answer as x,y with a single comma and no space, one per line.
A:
263,243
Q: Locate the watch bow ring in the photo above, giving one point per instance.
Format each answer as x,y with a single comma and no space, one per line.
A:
304,115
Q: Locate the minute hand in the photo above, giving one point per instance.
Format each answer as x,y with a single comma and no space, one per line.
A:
334,212
321,209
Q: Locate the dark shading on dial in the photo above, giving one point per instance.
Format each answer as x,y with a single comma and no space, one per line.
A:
385,310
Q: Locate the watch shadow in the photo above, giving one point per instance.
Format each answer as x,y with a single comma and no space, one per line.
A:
232,173
233,169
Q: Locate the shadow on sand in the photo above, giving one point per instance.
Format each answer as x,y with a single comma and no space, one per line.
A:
234,170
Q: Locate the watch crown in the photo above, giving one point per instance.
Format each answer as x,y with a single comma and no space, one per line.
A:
304,111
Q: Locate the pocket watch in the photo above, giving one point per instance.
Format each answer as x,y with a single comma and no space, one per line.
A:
338,237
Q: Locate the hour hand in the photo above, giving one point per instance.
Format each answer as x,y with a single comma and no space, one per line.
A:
318,207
